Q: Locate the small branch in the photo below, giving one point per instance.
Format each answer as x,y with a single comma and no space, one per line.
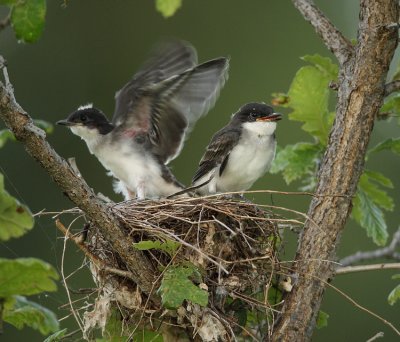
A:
94,258
363,268
376,336
386,252
5,22
392,87
332,37
73,186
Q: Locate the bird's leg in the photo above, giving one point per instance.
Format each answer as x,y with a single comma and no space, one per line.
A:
141,190
130,195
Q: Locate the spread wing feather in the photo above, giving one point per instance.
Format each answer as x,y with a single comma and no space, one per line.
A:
165,104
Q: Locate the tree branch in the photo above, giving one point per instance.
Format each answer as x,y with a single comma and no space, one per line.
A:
5,22
392,87
332,37
386,252
360,96
363,268
33,139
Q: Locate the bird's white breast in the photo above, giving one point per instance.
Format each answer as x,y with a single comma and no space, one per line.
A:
138,171
250,158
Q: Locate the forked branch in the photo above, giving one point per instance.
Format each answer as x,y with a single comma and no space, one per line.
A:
332,37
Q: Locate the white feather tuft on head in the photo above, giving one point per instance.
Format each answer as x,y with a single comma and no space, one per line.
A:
86,106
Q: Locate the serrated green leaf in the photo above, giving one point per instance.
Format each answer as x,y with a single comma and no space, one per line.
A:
295,161
27,19
387,145
394,295
25,312
44,125
376,195
15,218
177,287
26,276
379,178
169,246
309,96
370,217
5,135
168,7
56,336
324,64
322,319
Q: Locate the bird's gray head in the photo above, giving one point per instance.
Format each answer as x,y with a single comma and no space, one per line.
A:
87,121
256,112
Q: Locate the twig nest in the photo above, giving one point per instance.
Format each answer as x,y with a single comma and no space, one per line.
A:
224,248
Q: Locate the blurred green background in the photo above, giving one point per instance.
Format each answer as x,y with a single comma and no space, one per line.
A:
90,48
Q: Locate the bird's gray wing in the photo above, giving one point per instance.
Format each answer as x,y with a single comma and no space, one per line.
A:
168,109
217,152
167,59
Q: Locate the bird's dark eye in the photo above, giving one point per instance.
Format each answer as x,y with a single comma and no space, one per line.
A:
83,117
253,115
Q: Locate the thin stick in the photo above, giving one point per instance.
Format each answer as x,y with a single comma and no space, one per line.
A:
363,268
94,258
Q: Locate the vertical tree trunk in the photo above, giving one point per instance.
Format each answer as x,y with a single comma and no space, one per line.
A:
361,90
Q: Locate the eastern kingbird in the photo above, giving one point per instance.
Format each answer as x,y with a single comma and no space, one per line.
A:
239,153
153,113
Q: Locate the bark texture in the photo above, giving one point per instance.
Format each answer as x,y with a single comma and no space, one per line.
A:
360,94
74,187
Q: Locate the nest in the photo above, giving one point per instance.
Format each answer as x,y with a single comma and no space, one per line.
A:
232,244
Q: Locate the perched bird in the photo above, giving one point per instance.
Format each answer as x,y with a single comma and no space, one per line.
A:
153,113
239,153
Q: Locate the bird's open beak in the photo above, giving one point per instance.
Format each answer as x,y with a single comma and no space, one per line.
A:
65,123
272,117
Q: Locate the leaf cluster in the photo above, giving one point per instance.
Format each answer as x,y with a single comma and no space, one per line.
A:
309,99
22,276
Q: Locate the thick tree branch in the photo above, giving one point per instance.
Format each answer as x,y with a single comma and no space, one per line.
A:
19,122
332,37
392,87
386,252
360,97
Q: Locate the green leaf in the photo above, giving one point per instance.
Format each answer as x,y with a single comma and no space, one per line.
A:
15,218
26,276
394,295
322,319
177,287
379,178
24,312
396,276
169,246
27,19
309,96
370,217
168,7
378,196
389,144
392,104
5,134
324,64
295,161
56,336
44,125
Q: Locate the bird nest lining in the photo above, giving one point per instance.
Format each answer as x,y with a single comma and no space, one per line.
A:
233,244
